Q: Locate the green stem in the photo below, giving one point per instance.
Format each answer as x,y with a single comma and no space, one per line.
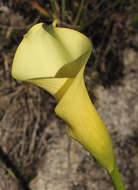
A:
53,7
79,12
116,179
63,7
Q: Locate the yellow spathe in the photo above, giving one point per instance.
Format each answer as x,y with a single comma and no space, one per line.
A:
54,58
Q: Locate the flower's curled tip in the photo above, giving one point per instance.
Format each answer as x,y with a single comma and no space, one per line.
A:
54,58
55,22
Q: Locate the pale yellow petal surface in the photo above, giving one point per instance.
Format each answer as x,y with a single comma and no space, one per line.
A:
85,124
47,50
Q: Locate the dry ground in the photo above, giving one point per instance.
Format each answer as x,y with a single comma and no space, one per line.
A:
35,152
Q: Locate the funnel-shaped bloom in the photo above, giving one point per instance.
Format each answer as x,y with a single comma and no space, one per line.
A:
54,58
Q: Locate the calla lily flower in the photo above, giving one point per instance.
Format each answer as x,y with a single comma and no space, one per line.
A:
54,58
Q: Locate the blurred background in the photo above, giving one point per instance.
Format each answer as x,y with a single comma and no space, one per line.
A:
35,152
